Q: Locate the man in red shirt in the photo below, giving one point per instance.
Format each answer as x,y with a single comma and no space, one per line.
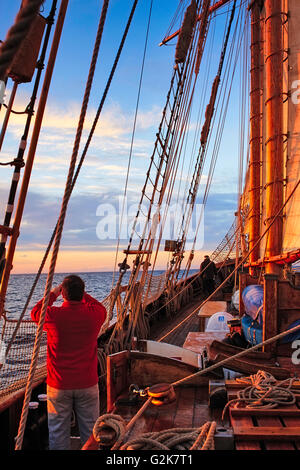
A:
72,375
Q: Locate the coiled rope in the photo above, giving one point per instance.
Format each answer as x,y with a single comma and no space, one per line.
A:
114,422
170,439
264,391
16,34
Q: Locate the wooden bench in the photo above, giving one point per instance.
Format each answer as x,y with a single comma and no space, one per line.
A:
208,309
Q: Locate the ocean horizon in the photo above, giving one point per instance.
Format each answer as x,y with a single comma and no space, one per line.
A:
98,284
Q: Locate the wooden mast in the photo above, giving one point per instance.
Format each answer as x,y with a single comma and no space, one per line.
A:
255,134
273,164
274,128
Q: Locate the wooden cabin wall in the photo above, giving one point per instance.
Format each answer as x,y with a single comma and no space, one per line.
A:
288,304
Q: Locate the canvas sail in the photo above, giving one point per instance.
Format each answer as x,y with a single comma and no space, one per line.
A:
291,126
291,230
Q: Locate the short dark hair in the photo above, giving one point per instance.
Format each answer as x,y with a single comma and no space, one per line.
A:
73,288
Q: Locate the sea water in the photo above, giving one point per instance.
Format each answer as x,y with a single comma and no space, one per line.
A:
97,284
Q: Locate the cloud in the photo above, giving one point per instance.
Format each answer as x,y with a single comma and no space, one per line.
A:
101,180
113,123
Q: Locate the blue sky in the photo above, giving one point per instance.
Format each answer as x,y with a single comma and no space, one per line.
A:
103,176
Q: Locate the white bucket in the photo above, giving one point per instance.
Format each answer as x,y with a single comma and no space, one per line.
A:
218,322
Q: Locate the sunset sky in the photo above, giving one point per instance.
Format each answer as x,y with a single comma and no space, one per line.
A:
103,177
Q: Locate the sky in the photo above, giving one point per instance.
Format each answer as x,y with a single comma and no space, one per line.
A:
102,180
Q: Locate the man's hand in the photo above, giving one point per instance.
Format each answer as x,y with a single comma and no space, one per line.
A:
57,290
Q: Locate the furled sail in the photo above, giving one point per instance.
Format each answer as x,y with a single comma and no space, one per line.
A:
291,125
291,227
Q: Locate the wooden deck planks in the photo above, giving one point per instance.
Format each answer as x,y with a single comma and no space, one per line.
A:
293,421
266,429
178,336
274,422
185,408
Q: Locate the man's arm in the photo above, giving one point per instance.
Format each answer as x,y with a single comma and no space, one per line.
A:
88,299
36,311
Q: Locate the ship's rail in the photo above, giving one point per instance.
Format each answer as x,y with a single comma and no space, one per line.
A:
15,368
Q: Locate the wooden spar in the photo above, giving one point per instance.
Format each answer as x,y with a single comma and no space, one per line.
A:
284,258
274,128
8,112
212,9
31,152
255,135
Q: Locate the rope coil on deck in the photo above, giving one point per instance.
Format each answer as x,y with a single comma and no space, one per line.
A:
175,439
264,391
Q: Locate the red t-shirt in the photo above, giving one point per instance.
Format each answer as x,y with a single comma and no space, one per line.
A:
72,331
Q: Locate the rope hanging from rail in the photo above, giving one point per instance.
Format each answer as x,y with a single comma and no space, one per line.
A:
60,224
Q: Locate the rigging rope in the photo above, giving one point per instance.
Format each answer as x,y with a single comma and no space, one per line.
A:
191,199
18,162
98,113
58,234
219,133
133,135
170,167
